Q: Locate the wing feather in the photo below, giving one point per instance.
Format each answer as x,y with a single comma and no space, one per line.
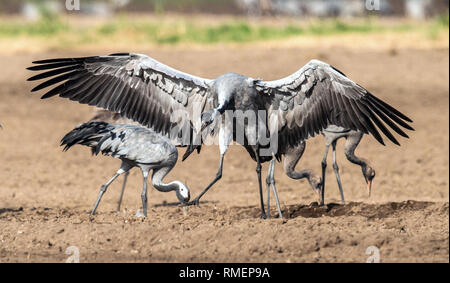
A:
324,96
134,85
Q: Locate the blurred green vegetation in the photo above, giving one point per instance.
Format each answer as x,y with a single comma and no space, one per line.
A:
49,24
440,23
166,30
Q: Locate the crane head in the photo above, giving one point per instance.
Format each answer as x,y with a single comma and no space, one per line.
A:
369,175
207,118
316,184
183,192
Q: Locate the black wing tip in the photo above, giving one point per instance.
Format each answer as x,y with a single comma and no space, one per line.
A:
396,112
73,59
379,138
408,119
56,60
337,70
39,62
37,88
33,68
45,96
408,127
120,54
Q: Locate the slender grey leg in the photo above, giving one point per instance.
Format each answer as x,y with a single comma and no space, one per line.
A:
272,178
103,189
217,178
324,166
258,172
336,172
144,195
123,189
268,182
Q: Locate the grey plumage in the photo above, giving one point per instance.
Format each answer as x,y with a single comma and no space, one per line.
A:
133,85
101,115
291,157
332,134
136,146
300,105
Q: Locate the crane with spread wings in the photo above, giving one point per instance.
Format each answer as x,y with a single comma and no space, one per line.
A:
294,108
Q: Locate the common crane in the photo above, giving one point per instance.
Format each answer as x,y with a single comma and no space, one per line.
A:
332,134
153,94
291,158
136,146
101,115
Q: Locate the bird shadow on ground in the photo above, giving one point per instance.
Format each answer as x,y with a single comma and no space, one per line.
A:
164,203
5,210
313,210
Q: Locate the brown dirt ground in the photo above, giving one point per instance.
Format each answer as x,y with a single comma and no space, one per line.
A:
46,195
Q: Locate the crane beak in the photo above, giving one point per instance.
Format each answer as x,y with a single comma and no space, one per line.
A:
369,186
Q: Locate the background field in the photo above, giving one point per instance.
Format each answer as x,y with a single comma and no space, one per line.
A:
46,195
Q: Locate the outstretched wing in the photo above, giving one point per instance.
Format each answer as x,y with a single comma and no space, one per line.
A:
133,85
318,95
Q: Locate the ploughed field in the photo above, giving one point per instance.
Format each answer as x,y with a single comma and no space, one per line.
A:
46,195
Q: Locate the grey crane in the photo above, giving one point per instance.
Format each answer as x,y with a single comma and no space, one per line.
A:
332,134
101,115
291,158
296,107
115,118
135,146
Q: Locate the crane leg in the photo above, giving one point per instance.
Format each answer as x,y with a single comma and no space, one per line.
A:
144,196
125,177
268,182
274,189
225,138
324,167
336,172
258,172
104,187
196,201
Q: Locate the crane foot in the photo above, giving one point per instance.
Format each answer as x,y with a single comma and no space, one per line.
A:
195,201
140,214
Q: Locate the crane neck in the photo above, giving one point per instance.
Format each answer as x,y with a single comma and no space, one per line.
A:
158,176
299,174
357,160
